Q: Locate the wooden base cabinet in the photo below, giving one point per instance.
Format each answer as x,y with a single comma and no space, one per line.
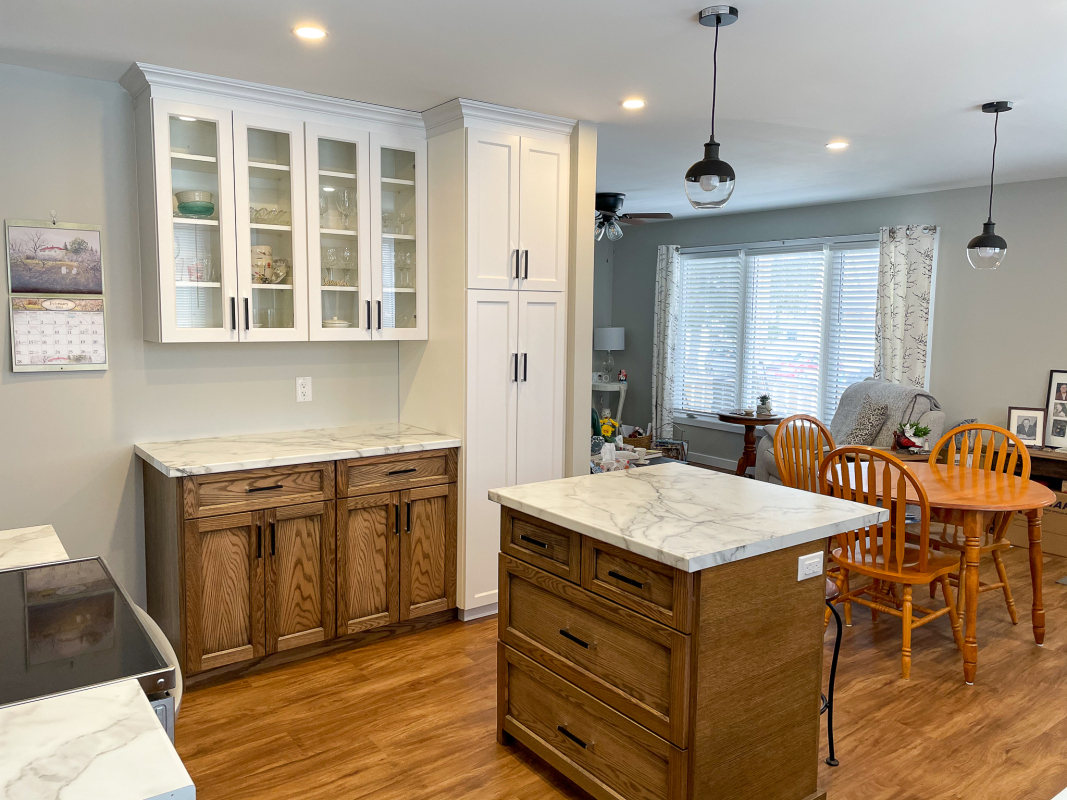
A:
280,573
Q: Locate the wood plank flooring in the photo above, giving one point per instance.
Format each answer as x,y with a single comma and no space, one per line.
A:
412,718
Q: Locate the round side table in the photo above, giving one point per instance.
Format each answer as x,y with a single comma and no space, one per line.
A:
748,455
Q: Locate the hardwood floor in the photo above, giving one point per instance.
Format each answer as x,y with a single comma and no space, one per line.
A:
413,717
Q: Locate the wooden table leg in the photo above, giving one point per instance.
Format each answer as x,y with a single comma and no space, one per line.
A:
748,455
973,524
1037,613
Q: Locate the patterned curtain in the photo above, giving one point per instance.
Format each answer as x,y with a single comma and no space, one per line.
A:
665,322
905,292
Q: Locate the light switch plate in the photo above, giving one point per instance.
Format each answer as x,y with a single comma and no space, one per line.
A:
303,390
809,566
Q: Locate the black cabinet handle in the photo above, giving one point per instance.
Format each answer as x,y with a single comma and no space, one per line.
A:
403,471
517,258
525,358
525,265
246,313
515,367
368,315
396,519
233,313
531,540
620,577
259,542
566,634
379,302
272,531
408,510
252,489
572,737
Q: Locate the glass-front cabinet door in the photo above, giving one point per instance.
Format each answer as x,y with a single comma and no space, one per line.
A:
340,290
398,238
271,228
195,223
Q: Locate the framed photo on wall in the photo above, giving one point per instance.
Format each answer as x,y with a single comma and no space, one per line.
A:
1056,435
1028,424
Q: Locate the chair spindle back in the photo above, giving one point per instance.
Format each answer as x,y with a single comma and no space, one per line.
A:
985,454
800,443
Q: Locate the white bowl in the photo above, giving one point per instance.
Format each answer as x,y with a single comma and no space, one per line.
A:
194,197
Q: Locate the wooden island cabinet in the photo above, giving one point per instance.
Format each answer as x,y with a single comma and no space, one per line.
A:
248,563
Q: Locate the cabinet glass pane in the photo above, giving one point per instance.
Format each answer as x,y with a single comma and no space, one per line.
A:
338,223
398,238
270,215
194,173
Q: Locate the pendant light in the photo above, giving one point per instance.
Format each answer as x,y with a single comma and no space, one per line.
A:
710,182
987,251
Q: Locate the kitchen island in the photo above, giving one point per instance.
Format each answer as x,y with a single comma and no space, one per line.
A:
655,638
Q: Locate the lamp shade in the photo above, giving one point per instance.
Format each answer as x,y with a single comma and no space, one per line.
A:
609,338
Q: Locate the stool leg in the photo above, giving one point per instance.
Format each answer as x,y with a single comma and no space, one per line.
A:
905,651
848,603
1003,576
833,762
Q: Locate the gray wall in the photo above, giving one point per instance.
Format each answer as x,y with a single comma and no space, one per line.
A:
996,334
66,440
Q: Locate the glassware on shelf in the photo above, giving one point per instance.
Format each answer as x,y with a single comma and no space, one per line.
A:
402,222
387,223
331,263
348,261
323,208
343,199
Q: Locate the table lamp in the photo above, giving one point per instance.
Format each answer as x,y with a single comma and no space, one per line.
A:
609,339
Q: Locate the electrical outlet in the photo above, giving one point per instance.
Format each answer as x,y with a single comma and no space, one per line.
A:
809,566
303,390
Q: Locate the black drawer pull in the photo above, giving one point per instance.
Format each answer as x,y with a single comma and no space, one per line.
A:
531,540
566,634
620,577
403,471
251,489
572,737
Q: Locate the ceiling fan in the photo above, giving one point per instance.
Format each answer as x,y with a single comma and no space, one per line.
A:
609,215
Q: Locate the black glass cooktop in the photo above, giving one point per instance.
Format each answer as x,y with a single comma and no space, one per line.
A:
69,626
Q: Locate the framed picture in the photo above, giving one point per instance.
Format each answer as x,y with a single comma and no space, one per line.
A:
1056,434
63,258
1028,424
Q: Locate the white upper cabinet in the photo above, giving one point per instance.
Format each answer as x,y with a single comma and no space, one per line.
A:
272,268
492,210
544,203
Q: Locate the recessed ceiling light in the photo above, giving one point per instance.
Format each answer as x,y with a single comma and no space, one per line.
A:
633,103
310,32
839,144
187,119
328,188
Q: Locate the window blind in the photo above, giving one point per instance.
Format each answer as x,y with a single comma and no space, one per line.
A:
708,343
851,324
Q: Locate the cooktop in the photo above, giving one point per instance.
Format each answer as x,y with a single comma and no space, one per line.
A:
67,626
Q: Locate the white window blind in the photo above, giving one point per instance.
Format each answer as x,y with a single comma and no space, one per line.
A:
794,320
708,345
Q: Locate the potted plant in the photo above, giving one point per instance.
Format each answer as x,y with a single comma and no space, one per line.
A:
764,407
911,436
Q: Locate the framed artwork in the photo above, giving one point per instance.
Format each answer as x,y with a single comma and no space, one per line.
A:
43,258
1028,424
1056,435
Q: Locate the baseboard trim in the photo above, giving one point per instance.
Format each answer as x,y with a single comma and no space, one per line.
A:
468,614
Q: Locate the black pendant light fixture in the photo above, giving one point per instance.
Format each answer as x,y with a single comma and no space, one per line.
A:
987,251
710,182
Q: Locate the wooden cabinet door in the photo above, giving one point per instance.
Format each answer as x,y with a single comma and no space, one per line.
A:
427,550
544,214
223,590
299,552
542,387
368,548
492,210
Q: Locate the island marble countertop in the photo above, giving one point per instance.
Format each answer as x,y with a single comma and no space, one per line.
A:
255,450
103,742
20,547
687,517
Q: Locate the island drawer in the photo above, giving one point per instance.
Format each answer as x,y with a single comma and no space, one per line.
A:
625,660
656,590
254,489
541,543
394,473
602,751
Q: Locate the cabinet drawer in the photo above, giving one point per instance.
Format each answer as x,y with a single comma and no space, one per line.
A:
605,753
542,544
394,473
631,663
253,489
663,593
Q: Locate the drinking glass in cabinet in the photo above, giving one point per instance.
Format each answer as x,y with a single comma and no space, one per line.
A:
338,196
344,198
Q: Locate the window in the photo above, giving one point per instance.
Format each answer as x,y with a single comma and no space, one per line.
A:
795,320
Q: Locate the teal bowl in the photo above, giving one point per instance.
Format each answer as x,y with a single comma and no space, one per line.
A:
196,208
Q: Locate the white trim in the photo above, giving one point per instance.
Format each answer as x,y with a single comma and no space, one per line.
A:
855,238
712,461
462,112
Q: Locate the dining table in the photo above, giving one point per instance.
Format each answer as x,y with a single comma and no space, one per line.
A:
974,497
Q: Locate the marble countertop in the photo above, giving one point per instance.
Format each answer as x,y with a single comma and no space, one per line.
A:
256,450
89,744
687,517
22,547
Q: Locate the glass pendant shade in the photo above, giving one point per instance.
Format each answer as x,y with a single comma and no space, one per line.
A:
614,230
988,250
710,182
601,226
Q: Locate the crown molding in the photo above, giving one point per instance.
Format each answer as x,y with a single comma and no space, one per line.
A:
463,112
141,77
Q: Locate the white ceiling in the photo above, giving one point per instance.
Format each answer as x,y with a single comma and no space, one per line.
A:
901,80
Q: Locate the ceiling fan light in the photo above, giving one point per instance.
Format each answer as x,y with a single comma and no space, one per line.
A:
710,182
614,230
987,250
598,232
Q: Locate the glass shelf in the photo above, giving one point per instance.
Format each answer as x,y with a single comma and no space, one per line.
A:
336,232
196,221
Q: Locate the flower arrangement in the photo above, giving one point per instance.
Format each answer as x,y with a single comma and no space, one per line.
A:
910,436
608,428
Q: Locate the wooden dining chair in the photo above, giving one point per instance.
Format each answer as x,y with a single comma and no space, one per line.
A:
881,552
993,449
